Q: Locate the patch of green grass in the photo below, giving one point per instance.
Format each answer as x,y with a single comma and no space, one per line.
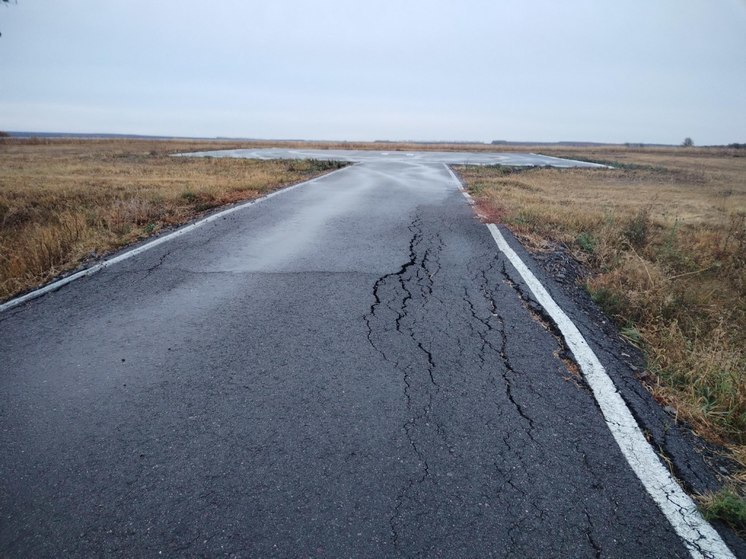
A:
727,506
476,188
189,196
501,170
637,228
632,335
315,165
319,165
586,242
607,299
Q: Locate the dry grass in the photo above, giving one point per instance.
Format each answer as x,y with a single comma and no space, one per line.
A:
664,236
62,201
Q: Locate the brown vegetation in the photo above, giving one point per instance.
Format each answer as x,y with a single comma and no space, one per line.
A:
664,237
62,201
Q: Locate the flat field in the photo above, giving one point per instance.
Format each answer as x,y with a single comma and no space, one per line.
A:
663,237
65,201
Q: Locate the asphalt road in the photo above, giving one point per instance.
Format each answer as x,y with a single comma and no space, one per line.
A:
447,157
349,369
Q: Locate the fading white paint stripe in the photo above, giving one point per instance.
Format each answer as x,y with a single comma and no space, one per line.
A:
699,536
583,164
460,186
152,244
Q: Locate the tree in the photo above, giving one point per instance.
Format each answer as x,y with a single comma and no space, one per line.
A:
688,142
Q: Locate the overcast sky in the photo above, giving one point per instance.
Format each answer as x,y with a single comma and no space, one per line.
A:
596,70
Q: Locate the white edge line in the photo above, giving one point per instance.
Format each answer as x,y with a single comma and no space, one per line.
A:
152,244
458,183
699,537
586,164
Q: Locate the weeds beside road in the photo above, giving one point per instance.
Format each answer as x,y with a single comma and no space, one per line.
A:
62,201
663,235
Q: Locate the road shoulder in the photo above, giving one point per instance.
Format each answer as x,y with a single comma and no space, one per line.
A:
695,463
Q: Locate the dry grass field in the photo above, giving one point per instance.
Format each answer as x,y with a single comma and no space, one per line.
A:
663,236
62,201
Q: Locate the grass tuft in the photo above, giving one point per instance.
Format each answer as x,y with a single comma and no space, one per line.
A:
586,242
728,506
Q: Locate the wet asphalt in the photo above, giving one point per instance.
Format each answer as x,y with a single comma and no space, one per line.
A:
513,159
350,369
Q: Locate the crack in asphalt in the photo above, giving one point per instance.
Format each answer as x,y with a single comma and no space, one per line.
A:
589,534
542,317
396,292
402,336
158,264
391,320
540,314
439,336
502,351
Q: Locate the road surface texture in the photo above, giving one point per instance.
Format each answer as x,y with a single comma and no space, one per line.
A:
349,369
355,156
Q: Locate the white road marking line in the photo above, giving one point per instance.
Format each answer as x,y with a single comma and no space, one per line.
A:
700,538
583,164
460,186
152,244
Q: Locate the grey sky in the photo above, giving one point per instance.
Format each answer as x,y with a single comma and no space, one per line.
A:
630,71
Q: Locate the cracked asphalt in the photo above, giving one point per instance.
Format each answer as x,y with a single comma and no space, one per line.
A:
350,369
